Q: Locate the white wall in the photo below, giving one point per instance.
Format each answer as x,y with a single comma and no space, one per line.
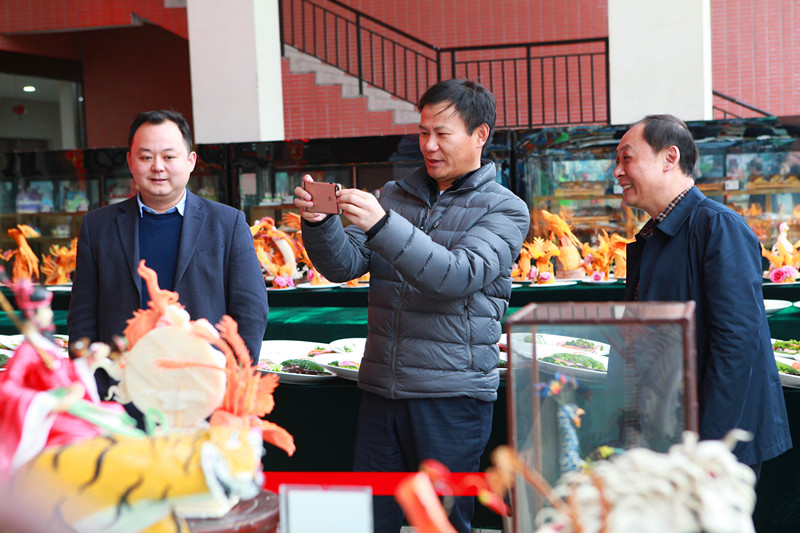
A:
39,122
659,59
234,50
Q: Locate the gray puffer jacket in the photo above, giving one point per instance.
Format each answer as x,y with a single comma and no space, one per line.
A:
439,283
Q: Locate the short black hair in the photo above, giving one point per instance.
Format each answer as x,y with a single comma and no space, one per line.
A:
159,117
472,101
663,131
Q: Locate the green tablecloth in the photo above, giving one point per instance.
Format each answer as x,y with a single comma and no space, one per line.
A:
324,324
344,297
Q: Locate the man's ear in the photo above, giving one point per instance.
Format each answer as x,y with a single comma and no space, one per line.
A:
672,157
482,133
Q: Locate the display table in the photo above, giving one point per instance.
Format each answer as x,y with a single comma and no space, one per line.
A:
322,417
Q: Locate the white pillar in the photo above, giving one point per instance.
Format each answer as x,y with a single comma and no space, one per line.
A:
235,58
659,59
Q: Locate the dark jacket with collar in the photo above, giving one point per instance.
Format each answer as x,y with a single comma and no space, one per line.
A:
217,271
439,285
704,251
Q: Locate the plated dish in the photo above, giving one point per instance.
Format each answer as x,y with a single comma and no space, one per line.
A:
590,281
557,283
584,359
790,349
277,351
287,377
308,286
348,359
59,288
11,342
350,345
789,376
773,306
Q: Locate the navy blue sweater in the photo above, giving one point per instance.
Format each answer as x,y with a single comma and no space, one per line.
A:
159,239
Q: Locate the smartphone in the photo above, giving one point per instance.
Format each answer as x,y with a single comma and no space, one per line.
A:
324,197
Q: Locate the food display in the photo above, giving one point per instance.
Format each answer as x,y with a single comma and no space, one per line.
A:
295,361
784,258
787,359
200,452
560,255
574,360
584,359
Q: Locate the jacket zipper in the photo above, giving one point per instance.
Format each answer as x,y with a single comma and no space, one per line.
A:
469,333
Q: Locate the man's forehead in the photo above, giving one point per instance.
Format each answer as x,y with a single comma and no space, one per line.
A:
143,148
630,139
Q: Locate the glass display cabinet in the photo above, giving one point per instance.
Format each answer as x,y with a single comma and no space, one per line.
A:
51,191
751,165
586,380
267,173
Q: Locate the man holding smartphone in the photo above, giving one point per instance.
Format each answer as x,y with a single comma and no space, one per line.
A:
439,247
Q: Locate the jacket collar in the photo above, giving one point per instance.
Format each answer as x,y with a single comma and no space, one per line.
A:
420,185
681,213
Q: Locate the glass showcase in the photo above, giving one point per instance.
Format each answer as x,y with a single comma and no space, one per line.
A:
587,380
751,165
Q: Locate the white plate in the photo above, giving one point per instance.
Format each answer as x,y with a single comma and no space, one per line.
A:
768,282
279,351
352,345
773,306
8,353
797,304
308,286
59,288
599,348
359,286
503,370
11,342
581,374
788,380
347,373
551,344
288,377
787,355
557,283
281,289
516,285
590,281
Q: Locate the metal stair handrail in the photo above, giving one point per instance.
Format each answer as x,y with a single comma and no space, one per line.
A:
536,84
727,113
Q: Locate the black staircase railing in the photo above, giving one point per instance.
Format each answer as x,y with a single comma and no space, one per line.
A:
536,84
725,106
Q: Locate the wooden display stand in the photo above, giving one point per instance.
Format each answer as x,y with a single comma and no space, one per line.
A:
257,515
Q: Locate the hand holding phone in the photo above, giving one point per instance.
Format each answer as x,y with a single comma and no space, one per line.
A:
323,195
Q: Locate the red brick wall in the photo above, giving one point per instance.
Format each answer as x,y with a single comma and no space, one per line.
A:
57,45
26,16
755,46
756,53
319,112
449,23
131,70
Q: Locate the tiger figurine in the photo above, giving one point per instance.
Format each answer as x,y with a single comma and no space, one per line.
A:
126,484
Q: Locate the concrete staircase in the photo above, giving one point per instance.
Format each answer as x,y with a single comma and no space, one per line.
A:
377,99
